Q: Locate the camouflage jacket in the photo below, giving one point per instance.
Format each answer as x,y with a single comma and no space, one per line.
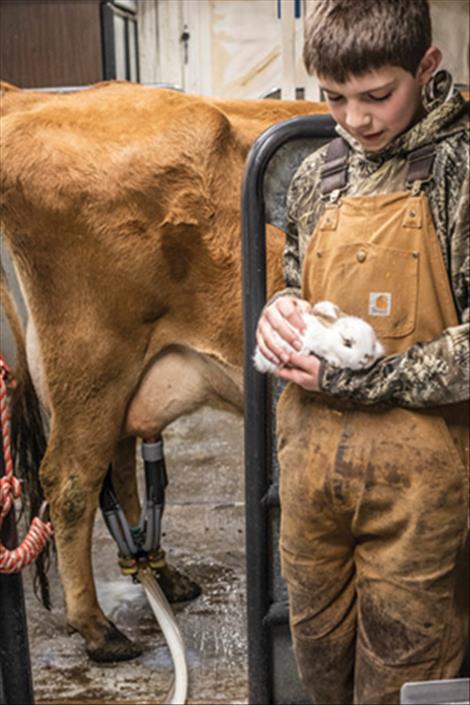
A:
431,373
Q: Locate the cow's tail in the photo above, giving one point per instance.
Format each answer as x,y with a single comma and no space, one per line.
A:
28,435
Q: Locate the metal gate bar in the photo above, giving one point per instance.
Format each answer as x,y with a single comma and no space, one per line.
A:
16,686
258,419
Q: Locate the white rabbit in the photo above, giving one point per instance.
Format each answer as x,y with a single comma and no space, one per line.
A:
342,340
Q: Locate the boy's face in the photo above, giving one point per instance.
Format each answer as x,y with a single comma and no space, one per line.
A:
377,106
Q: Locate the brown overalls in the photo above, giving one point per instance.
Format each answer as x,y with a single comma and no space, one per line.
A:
375,499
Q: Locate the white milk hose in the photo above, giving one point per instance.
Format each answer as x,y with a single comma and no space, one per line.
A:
166,619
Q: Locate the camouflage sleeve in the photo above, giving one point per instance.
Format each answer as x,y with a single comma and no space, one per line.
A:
428,374
459,250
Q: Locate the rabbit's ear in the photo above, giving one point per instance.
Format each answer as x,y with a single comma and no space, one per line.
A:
327,311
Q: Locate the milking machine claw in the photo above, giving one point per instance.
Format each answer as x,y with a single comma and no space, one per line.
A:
139,545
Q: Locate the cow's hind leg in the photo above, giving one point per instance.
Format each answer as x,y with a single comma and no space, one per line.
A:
72,475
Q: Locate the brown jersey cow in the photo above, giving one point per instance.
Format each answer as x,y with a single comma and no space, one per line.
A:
121,213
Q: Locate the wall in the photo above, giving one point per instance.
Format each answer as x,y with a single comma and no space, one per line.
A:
235,46
44,43
450,20
160,26
246,49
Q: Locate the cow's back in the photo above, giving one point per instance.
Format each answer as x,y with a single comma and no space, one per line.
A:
125,200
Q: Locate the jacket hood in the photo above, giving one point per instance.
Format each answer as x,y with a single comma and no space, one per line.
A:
448,113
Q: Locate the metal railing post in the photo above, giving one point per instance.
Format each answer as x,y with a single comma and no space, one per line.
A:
258,431
16,685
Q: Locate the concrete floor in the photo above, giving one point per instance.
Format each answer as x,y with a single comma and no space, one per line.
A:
204,535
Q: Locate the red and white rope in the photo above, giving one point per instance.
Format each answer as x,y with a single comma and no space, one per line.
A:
14,560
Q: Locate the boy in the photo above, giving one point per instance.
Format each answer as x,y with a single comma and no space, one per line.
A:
374,464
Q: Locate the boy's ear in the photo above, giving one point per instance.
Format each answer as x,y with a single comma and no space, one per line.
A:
428,65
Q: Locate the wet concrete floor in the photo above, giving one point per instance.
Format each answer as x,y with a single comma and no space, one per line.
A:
204,531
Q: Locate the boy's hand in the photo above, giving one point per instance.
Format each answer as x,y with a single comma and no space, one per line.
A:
276,318
304,370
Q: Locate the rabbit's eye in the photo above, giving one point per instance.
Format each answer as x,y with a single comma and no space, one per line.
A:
348,342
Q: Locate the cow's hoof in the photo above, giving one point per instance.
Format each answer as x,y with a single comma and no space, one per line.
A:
177,586
114,647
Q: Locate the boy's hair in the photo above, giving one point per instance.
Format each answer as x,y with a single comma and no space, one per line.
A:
351,37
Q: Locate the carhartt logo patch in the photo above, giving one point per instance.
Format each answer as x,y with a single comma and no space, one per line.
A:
380,303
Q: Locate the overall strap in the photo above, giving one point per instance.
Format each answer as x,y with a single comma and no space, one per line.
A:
334,172
420,163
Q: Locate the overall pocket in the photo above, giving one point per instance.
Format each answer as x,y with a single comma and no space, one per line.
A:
378,284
